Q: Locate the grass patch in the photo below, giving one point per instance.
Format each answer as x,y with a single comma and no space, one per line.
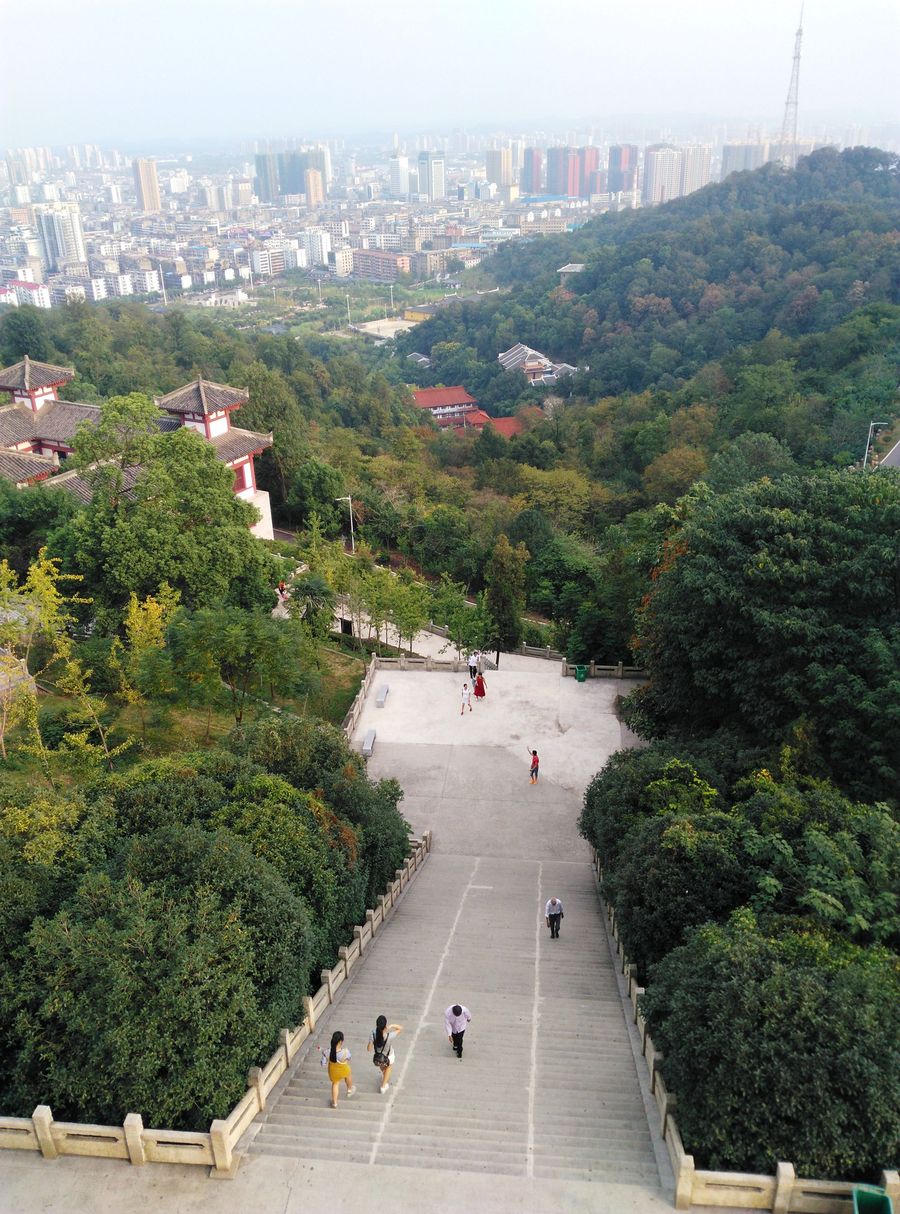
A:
168,729
339,678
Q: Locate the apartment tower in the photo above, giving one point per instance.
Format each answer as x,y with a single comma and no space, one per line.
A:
146,185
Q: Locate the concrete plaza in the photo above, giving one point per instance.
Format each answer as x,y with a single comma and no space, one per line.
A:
548,1109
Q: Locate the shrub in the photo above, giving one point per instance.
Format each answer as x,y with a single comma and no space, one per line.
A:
535,634
674,872
55,722
151,998
618,797
316,757
781,1043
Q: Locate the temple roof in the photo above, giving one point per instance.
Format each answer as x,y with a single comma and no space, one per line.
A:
21,466
74,483
442,398
235,443
16,425
202,396
57,422
29,376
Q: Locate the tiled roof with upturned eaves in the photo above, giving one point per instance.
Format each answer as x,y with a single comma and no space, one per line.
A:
22,466
235,443
29,376
57,422
202,396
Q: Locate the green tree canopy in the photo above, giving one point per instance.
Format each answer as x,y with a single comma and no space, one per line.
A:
180,523
775,609
505,577
756,1088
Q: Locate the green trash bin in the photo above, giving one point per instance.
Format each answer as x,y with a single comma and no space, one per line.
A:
580,673
869,1199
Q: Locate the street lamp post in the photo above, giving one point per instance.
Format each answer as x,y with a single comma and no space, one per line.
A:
349,502
874,427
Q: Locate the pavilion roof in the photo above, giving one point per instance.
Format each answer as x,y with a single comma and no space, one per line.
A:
235,443
204,397
28,376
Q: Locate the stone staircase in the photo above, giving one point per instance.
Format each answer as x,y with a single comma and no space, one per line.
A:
547,1087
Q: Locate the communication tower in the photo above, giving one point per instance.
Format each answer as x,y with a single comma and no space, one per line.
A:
787,151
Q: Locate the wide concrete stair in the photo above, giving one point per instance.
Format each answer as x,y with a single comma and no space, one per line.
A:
547,1086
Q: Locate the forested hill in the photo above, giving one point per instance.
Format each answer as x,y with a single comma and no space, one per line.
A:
669,289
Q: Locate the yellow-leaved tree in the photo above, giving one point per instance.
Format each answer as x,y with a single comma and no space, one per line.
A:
140,661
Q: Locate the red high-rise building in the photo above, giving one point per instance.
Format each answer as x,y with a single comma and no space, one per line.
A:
623,160
562,172
588,163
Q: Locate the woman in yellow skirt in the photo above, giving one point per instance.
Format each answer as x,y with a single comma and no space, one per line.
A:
338,1061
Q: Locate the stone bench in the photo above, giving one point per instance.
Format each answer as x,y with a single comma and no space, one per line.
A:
382,695
368,744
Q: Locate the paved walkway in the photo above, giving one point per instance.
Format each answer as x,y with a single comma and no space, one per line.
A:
547,1109
547,1089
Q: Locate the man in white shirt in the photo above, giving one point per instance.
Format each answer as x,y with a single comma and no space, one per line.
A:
456,1018
466,698
472,660
553,913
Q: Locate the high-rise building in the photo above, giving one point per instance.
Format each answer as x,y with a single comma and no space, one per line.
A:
146,185
562,172
623,162
292,168
242,193
313,188
598,182
695,168
532,171
398,171
319,158
743,157
317,245
498,166
588,163
60,233
662,173
431,176
267,187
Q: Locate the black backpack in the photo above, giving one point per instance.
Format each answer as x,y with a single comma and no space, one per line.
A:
382,1056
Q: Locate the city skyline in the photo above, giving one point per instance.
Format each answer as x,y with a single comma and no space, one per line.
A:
719,60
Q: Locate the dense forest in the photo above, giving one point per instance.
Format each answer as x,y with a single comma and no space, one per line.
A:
690,500
750,330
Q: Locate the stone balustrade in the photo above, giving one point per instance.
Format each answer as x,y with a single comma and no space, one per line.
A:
782,1193
137,1144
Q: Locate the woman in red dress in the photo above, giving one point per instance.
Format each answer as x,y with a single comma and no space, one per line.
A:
480,687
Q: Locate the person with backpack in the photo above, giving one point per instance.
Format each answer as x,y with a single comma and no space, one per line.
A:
337,1059
381,1044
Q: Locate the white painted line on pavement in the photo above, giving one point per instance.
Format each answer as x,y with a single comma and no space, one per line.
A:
535,1024
385,1117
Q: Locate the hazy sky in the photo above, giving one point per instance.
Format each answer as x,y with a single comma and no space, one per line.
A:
131,70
